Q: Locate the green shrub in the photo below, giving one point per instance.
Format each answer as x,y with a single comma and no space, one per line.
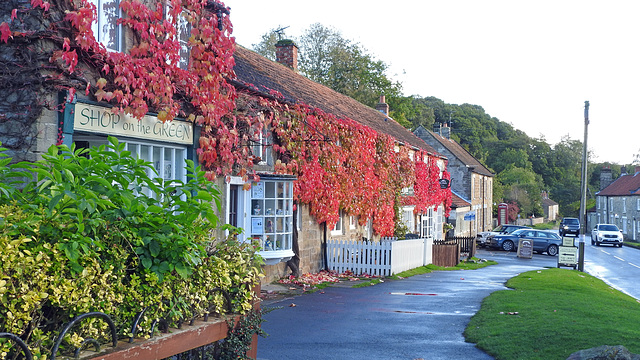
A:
93,230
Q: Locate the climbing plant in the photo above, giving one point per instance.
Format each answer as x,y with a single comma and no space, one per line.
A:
340,163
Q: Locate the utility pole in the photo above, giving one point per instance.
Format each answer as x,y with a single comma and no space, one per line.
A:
583,193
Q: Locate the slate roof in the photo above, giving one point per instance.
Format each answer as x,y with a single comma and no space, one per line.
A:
260,74
548,202
461,154
624,186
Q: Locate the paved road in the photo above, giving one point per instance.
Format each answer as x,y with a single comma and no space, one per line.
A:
619,267
422,317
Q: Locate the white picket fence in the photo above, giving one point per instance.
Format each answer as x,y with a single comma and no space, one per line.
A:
383,258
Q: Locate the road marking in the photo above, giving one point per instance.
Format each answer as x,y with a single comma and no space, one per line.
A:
632,264
605,252
619,258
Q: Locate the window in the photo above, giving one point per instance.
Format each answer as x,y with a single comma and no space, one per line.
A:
598,202
611,204
428,223
338,229
271,220
407,219
167,159
638,204
106,28
261,146
352,222
624,205
183,32
407,191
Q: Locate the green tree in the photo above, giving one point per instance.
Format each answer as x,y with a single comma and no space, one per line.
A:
329,59
267,45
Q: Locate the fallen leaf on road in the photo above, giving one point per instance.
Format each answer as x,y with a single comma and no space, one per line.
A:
292,305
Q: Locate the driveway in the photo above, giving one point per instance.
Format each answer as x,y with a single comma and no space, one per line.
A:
421,317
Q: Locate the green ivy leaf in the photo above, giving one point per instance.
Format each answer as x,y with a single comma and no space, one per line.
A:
154,248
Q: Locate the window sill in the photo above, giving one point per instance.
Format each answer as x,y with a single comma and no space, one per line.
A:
273,257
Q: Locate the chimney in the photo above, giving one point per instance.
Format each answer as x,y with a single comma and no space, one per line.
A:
382,106
287,53
445,131
605,177
623,171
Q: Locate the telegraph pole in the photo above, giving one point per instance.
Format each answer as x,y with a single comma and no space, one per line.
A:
583,194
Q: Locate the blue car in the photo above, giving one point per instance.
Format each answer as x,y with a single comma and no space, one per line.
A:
543,241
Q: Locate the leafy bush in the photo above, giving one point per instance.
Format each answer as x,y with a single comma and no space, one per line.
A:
87,230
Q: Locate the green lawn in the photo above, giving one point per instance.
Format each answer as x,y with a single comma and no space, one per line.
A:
552,313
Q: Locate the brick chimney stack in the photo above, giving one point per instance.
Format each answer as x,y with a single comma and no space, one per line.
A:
287,53
382,106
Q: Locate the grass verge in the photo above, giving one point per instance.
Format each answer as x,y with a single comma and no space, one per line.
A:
632,244
552,313
472,264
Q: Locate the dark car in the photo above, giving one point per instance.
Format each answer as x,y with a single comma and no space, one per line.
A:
569,226
482,238
543,241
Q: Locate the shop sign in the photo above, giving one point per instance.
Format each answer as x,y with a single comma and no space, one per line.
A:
98,119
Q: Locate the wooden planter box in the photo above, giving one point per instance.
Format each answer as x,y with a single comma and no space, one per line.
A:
175,342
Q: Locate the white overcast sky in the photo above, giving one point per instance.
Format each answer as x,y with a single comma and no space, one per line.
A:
531,64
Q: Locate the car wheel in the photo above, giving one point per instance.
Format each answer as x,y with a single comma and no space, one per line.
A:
593,242
507,245
619,245
597,243
552,250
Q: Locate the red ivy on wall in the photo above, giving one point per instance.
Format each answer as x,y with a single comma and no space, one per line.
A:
340,163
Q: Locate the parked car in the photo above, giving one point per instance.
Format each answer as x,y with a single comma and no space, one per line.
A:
483,237
569,226
606,234
543,241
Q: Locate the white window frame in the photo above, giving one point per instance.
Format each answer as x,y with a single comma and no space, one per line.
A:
638,204
427,226
102,21
269,218
261,146
183,33
624,205
338,229
167,159
610,204
352,222
408,219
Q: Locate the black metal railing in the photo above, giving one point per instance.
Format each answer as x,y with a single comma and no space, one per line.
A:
204,352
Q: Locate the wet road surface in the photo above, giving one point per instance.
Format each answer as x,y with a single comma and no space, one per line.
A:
421,317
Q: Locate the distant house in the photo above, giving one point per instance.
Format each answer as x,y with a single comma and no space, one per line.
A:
619,202
459,208
549,207
469,178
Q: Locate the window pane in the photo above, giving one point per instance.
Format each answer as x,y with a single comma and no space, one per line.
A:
107,29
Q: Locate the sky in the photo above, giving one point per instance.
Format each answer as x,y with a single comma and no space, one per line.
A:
532,64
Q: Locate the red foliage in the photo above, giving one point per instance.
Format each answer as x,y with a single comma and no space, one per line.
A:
340,163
